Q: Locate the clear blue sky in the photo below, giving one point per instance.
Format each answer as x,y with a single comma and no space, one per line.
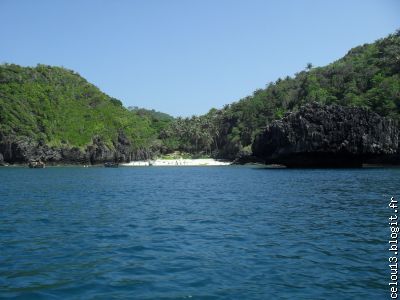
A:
184,57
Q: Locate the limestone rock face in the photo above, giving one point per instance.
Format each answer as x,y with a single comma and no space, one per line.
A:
319,135
24,149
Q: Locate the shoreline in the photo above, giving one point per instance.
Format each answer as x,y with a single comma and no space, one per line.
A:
141,163
201,162
177,162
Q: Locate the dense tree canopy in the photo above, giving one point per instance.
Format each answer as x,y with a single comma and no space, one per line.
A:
368,76
59,107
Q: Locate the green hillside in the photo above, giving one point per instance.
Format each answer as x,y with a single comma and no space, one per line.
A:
367,76
59,107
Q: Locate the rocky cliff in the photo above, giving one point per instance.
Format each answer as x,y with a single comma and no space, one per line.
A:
55,115
23,149
329,136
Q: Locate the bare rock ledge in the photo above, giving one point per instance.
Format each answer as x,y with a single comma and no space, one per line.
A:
329,136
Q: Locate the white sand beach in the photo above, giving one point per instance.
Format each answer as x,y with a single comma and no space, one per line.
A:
177,162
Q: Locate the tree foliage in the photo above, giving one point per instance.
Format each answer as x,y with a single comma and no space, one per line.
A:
367,76
59,107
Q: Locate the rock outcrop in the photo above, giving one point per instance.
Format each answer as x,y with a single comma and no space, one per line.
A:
23,149
329,136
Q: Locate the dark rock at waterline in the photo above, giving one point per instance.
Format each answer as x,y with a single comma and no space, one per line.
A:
100,152
74,155
329,136
24,149
247,159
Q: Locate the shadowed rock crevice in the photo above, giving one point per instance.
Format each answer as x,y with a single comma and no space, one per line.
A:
24,149
329,136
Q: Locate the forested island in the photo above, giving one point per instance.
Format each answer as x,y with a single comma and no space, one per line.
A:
347,111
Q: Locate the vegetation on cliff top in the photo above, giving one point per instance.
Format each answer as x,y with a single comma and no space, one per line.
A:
368,76
59,107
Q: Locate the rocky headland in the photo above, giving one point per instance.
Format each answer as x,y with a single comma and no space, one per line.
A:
21,150
53,115
329,136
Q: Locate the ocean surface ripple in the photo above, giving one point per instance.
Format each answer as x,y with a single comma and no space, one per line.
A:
195,233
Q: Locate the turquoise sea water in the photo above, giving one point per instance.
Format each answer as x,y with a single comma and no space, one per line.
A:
195,233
